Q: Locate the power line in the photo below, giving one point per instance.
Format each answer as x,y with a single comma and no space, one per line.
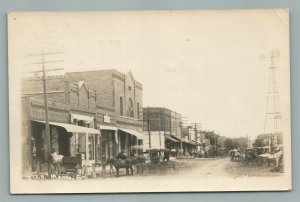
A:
48,70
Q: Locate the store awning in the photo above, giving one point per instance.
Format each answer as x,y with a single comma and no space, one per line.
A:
197,143
175,137
171,138
87,119
137,147
73,128
102,127
185,141
193,143
189,142
132,132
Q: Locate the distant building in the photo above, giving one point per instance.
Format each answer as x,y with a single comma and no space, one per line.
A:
165,123
190,141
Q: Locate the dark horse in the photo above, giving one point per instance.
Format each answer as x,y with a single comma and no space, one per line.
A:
127,163
249,157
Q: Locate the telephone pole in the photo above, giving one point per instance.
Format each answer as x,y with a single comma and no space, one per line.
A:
148,123
196,126
43,70
183,121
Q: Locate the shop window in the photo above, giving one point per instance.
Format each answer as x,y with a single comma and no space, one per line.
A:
138,110
98,153
121,106
54,138
73,144
130,108
91,143
81,144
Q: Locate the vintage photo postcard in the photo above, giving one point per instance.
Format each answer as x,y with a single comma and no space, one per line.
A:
149,101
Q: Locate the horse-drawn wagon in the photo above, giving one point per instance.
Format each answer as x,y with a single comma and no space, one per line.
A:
71,166
156,162
152,161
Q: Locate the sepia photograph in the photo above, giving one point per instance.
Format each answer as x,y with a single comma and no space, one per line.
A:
149,101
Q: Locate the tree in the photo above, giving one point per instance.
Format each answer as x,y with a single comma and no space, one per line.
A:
259,143
261,140
234,143
212,136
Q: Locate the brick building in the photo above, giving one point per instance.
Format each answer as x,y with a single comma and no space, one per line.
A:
123,94
72,115
190,140
165,122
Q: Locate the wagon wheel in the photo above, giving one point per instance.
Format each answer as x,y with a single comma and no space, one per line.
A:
54,169
151,168
172,167
161,168
76,172
57,169
144,169
50,169
84,171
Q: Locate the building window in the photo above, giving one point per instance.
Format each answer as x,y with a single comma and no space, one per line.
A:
121,106
138,110
130,108
129,88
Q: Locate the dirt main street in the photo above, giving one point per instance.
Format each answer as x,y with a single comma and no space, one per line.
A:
197,168
209,167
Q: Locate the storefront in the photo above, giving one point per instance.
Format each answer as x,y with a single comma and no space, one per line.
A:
108,147
86,140
129,140
189,147
173,144
66,139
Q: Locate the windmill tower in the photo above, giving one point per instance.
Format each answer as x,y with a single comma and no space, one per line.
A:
273,119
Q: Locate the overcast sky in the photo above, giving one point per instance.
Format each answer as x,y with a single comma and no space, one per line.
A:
202,64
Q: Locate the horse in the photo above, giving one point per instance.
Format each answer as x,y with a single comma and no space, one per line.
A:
212,153
249,157
126,163
235,155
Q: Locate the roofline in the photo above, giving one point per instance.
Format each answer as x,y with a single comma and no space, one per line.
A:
36,93
108,70
162,108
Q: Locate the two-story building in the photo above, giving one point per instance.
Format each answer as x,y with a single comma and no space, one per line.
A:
121,94
161,122
72,115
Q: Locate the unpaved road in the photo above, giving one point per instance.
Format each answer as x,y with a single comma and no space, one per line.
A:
205,167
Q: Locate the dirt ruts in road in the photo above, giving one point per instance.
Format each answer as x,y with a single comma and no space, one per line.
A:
205,167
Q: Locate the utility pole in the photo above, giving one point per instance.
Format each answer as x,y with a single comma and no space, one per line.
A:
196,125
47,128
154,120
215,140
148,123
43,70
273,115
159,130
182,121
